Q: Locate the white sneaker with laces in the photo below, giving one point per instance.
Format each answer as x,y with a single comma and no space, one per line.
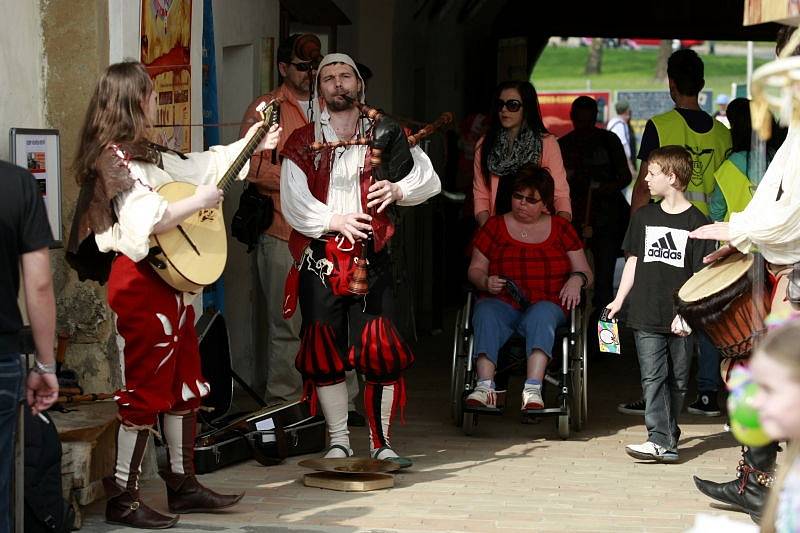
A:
652,452
482,396
532,397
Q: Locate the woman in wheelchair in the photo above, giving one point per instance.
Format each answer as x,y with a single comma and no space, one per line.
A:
530,268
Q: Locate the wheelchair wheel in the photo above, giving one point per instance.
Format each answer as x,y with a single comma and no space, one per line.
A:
469,422
584,353
457,398
457,372
576,394
454,381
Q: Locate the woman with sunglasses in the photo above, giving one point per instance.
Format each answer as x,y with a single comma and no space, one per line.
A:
516,136
530,268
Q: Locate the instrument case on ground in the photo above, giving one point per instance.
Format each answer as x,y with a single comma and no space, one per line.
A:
268,435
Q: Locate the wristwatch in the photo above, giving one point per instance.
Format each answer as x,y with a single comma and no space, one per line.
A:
44,368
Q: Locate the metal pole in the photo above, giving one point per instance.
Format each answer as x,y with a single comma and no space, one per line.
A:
749,65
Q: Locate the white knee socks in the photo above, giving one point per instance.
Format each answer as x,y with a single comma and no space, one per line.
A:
131,445
381,441
333,400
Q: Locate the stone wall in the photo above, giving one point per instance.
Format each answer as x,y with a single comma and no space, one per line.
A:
75,47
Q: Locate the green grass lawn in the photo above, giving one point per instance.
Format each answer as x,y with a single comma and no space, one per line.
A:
561,69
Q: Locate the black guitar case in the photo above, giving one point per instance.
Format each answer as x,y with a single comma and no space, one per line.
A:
269,434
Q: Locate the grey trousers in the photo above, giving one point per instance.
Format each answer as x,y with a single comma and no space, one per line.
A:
283,335
664,362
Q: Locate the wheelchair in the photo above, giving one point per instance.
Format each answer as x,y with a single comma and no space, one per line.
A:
568,376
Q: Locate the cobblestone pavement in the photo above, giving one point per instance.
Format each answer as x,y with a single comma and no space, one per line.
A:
507,477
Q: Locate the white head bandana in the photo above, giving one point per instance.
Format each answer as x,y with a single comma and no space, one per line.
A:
327,60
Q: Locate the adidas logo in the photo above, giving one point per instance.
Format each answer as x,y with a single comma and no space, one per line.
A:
665,248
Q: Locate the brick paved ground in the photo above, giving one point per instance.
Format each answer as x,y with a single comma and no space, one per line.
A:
507,477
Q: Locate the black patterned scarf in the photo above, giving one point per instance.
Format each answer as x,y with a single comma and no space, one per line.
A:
507,157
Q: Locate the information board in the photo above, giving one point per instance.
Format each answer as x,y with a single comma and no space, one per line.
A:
647,104
38,151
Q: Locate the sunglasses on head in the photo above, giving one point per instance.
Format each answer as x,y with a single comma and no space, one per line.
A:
512,105
304,67
528,199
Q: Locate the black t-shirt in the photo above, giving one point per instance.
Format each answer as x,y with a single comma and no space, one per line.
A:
667,257
597,157
698,120
23,228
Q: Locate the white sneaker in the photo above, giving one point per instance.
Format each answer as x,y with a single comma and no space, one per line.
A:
652,452
532,397
482,396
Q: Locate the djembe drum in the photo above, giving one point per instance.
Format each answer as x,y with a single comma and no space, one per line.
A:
719,300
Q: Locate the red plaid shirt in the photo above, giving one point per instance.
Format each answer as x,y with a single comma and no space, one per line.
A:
539,270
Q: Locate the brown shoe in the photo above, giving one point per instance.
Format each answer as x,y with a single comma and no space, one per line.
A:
126,509
185,494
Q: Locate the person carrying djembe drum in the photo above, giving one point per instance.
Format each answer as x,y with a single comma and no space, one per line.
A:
769,224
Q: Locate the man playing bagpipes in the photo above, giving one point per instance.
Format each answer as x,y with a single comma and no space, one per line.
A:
340,173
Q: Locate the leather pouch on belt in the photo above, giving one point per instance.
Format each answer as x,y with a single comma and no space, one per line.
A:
793,287
343,265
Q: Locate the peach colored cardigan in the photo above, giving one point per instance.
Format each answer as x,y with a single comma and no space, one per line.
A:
551,160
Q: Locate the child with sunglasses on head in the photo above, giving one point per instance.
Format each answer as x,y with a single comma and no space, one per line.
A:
516,136
660,260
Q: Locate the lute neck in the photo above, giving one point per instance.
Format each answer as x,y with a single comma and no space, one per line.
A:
238,163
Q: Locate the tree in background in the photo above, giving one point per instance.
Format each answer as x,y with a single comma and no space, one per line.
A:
664,51
594,62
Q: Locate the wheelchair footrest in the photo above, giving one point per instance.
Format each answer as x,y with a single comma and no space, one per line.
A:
552,411
484,410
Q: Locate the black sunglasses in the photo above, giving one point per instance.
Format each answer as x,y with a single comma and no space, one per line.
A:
304,67
528,199
512,105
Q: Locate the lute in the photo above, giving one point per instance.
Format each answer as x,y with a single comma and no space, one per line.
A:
193,254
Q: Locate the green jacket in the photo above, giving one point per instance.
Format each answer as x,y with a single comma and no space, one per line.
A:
709,150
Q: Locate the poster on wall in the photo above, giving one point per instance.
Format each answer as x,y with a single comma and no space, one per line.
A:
556,106
39,152
166,30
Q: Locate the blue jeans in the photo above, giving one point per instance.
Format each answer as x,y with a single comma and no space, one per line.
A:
664,362
708,376
495,321
11,374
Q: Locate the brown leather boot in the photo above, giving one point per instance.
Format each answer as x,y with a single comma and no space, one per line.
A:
122,489
125,508
185,494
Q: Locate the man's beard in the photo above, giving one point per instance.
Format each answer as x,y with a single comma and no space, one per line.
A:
341,104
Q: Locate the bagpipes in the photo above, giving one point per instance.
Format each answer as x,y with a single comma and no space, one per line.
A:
390,159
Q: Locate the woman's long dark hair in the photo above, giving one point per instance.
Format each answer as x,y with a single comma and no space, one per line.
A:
738,113
531,115
531,176
115,114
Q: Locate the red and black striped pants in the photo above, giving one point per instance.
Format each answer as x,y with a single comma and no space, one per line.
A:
348,332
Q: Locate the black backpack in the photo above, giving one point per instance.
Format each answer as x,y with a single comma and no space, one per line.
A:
253,216
46,511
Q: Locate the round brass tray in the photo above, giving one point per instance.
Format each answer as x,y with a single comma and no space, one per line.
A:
350,465
354,482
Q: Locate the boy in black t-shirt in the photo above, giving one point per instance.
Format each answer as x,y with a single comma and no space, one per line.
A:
661,257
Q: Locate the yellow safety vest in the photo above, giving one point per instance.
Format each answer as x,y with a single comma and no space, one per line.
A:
735,187
709,150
